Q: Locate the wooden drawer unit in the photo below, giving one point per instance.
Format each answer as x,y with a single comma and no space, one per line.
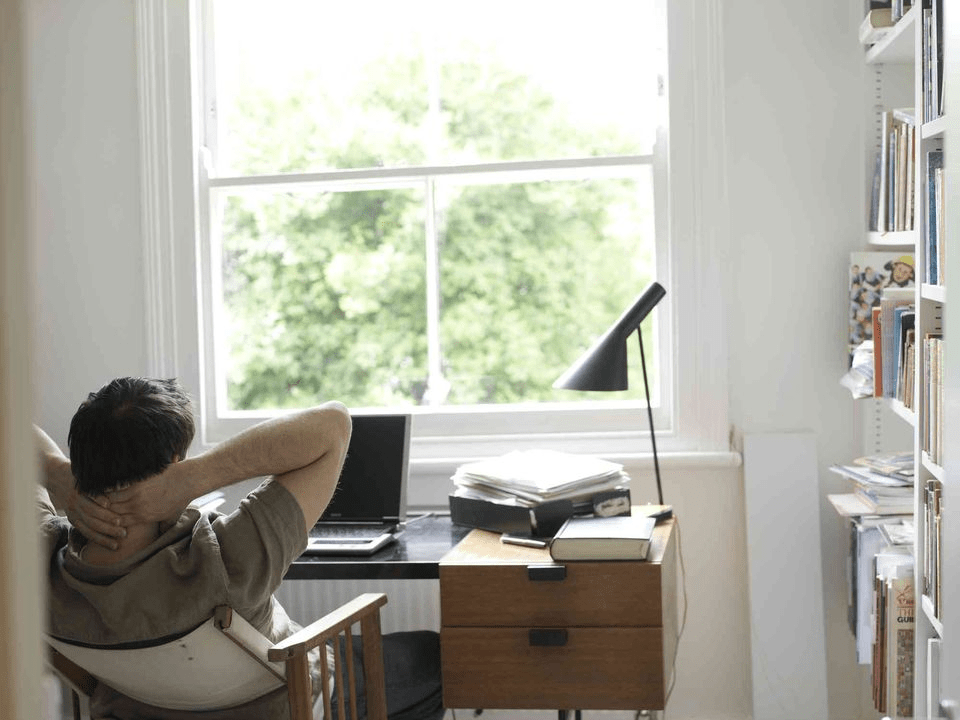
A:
520,631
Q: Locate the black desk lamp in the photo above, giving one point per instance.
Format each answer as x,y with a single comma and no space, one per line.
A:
604,365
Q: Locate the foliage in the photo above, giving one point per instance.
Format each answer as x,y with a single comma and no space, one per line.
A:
325,292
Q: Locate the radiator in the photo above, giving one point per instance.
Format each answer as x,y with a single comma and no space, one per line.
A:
411,604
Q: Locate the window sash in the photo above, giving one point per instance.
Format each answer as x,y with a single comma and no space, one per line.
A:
457,429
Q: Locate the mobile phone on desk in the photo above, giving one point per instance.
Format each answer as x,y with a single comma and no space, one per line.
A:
524,540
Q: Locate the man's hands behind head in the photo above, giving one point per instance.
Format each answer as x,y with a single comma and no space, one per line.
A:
92,518
158,498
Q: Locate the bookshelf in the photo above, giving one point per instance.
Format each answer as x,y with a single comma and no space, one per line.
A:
902,66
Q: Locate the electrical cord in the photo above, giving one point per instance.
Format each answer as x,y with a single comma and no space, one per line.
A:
683,618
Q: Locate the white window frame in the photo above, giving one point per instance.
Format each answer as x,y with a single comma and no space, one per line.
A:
689,320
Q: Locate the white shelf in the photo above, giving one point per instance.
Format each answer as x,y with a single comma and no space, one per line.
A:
937,293
898,45
902,411
927,605
935,470
934,128
903,238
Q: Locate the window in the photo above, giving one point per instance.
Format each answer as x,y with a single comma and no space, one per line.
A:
440,210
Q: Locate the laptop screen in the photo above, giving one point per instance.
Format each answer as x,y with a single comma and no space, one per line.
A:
373,483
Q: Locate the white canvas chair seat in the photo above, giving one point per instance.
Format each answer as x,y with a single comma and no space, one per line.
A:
226,662
202,670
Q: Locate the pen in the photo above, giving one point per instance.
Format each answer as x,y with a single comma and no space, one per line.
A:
525,541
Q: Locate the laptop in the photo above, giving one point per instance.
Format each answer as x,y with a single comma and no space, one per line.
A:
370,502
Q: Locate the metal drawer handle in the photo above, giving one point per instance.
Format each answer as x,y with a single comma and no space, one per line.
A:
548,638
548,573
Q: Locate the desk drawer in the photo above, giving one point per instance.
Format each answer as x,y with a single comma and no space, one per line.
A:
589,594
610,668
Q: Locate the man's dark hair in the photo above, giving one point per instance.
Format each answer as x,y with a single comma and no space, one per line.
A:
129,430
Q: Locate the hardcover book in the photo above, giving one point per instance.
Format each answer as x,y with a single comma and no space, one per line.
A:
625,537
934,163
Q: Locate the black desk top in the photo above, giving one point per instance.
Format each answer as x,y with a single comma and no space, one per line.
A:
415,555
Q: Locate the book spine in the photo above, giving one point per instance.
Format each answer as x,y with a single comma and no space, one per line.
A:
882,226
877,353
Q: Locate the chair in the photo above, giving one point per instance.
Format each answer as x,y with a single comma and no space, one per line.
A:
226,662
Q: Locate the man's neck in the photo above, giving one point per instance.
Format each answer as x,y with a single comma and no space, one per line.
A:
138,537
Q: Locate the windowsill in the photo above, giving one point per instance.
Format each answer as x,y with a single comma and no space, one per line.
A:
706,460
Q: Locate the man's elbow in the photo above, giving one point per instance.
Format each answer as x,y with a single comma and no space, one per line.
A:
337,424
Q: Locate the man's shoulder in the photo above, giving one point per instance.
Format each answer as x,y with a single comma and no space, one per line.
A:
272,497
269,509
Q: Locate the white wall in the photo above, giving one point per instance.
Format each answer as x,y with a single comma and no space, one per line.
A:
794,103
792,82
89,292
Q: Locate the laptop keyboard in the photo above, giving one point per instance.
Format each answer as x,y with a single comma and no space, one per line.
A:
349,532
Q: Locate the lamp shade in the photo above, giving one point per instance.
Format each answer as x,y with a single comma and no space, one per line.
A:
604,365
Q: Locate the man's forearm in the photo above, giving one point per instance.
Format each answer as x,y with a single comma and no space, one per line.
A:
274,447
55,468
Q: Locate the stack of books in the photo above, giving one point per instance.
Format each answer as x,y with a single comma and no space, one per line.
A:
894,619
882,483
533,492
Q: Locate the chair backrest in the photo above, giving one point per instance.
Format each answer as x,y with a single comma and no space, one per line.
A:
220,664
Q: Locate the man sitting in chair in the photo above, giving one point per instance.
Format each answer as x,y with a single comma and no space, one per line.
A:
134,563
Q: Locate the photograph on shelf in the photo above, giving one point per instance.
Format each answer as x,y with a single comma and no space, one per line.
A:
870,274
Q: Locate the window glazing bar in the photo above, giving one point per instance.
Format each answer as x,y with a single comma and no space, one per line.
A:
614,164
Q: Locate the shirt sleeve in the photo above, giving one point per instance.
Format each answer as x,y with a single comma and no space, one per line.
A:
258,542
45,505
53,527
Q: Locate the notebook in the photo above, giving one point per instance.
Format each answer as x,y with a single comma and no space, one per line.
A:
370,501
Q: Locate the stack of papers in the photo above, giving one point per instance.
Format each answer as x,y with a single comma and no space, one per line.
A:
536,476
888,492
898,465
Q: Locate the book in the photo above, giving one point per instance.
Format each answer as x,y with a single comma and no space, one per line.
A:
941,241
894,464
892,299
909,368
874,196
904,319
875,26
879,504
934,163
869,542
937,56
854,505
866,477
892,155
900,628
886,118
877,354
625,537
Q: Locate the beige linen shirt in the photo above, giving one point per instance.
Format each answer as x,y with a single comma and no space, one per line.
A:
173,585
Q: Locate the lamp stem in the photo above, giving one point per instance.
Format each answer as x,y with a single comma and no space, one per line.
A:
653,436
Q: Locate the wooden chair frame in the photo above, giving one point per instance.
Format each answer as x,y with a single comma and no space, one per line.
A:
292,651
